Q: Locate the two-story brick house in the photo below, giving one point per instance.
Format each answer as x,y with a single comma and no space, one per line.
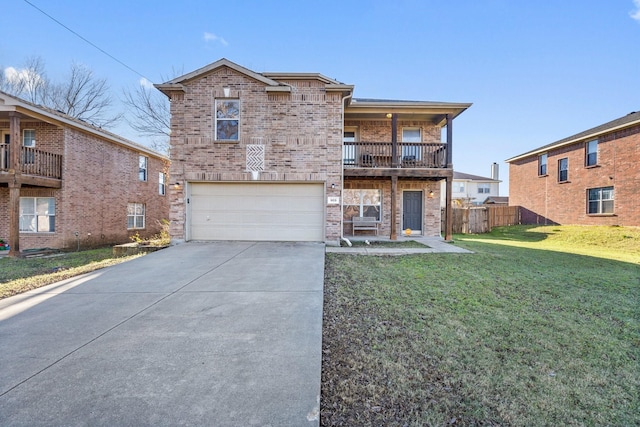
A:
294,157
591,178
66,184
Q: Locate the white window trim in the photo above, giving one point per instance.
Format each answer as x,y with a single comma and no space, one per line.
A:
36,215
162,183
361,205
216,119
145,168
134,216
24,131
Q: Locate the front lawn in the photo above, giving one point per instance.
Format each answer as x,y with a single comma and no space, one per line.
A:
540,326
23,274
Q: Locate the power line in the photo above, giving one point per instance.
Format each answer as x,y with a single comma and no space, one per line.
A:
84,39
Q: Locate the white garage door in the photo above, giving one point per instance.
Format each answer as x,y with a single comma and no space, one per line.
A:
256,211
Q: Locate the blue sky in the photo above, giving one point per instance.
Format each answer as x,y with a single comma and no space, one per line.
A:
535,72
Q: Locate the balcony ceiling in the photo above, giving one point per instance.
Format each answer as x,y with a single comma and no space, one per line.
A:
377,109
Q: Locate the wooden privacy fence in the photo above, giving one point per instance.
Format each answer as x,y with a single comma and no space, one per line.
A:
482,219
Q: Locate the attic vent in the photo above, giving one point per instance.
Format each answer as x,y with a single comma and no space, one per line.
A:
255,158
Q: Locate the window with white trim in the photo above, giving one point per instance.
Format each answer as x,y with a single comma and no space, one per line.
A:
227,119
362,203
135,216
29,138
484,188
349,146
142,168
563,170
162,186
457,187
591,156
411,148
542,164
600,200
37,214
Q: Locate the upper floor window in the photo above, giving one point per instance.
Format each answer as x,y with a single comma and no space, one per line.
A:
563,170
28,138
411,151
227,119
37,214
542,164
349,146
162,186
591,158
142,168
135,215
484,188
600,200
458,187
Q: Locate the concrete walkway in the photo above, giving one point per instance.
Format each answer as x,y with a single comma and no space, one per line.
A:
215,334
432,245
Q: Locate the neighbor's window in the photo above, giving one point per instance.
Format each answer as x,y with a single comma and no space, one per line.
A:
37,214
563,170
411,139
135,215
592,153
484,188
362,203
600,200
29,138
542,164
162,186
142,168
227,119
458,187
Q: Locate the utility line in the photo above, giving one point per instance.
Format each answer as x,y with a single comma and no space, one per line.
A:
84,39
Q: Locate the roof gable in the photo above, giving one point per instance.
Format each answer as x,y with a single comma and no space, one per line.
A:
10,103
630,119
219,64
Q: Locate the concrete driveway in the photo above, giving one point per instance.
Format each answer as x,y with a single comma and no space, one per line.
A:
199,334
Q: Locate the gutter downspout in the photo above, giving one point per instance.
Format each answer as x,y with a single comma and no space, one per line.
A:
344,98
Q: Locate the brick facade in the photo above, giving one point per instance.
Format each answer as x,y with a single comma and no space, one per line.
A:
545,200
99,179
300,130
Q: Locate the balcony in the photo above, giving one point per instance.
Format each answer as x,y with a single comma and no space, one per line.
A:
36,167
405,159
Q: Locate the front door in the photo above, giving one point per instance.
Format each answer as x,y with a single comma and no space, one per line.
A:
412,210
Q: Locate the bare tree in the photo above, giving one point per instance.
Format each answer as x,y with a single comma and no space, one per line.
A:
29,82
149,113
84,96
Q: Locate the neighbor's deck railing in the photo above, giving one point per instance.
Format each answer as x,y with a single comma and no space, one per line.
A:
408,155
33,162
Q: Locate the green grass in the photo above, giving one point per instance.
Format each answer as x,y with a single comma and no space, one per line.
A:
23,274
540,326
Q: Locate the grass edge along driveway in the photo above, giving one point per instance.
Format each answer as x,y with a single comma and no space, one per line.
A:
540,326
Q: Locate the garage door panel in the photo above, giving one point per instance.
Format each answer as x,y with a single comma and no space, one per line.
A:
263,211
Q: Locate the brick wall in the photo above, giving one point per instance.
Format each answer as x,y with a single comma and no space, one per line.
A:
545,200
431,206
99,178
301,132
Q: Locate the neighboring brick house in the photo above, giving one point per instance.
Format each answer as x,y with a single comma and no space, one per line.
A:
66,184
591,178
293,157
